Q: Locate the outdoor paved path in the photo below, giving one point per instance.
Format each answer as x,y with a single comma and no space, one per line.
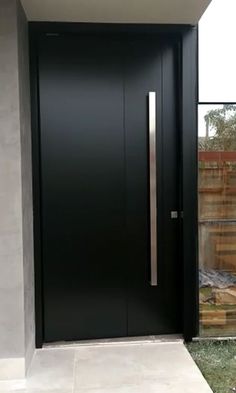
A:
138,367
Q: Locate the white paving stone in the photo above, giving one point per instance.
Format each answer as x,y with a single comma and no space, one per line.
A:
51,369
142,367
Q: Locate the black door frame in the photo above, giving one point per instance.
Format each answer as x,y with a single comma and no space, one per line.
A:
187,37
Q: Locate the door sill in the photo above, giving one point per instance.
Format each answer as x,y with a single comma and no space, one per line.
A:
171,338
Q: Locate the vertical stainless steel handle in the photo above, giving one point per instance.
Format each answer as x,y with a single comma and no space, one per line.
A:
153,186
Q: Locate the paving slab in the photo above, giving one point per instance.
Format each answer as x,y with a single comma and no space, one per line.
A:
137,367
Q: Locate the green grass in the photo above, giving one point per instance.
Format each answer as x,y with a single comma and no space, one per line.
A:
217,362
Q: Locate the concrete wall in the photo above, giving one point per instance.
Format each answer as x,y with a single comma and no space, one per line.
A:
26,183
16,233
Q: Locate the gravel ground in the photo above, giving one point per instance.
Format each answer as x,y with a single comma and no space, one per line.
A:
217,362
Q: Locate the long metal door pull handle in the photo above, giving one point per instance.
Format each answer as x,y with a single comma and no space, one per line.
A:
153,186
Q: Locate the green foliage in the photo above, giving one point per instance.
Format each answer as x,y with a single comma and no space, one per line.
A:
217,362
221,123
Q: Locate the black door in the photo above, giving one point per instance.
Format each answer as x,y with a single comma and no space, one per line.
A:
93,95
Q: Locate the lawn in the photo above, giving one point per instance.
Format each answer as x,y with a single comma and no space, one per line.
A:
217,362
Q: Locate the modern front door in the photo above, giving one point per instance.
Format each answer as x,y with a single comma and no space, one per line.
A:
95,178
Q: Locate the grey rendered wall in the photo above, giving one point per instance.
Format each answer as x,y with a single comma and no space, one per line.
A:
16,241
26,183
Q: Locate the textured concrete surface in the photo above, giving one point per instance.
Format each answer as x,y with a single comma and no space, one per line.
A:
26,184
16,241
11,246
120,368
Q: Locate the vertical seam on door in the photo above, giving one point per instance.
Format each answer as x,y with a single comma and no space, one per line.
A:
123,43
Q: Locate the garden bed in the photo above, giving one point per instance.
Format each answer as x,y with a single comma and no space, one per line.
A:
217,362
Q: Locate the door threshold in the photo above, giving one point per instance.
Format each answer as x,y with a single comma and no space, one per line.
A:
171,338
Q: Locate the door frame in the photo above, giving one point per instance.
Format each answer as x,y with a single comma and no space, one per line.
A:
187,38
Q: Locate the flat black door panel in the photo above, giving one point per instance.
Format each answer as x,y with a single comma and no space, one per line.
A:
94,186
151,67
83,188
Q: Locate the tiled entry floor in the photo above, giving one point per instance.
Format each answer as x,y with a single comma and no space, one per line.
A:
114,368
